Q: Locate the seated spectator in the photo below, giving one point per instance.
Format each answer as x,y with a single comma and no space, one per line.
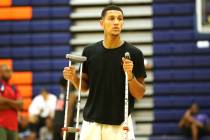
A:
41,107
46,132
194,123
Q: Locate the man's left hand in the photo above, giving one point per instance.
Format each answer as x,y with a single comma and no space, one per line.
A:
128,67
2,99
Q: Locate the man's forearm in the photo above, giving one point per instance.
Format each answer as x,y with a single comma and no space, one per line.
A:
15,104
4,106
76,81
136,89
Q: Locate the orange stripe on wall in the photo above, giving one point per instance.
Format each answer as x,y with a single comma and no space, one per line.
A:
21,13
26,103
25,91
8,62
16,13
5,13
4,3
21,78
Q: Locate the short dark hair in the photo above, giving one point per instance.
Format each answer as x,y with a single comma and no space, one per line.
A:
110,7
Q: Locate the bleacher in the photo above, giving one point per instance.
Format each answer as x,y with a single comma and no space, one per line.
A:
181,69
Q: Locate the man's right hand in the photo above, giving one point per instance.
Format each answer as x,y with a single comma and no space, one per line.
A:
69,73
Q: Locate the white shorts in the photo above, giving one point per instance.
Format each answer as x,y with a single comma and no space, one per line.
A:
97,131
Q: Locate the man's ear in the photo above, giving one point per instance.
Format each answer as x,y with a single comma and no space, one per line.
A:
101,23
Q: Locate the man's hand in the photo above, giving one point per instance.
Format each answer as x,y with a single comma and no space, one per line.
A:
128,67
14,104
136,85
10,104
2,100
69,73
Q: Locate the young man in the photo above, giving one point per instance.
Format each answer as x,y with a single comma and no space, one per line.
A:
104,76
10,103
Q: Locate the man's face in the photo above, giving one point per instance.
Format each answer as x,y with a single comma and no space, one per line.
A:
194,109
112,23
6,73
44,94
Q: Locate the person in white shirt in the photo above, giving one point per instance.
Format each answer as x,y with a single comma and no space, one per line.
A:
42,106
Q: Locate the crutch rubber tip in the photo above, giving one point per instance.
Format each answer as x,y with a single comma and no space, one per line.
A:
125,128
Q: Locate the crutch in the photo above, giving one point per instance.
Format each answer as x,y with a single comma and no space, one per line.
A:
65,129
125,125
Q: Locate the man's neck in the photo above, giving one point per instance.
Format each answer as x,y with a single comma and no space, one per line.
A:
111,42
5,81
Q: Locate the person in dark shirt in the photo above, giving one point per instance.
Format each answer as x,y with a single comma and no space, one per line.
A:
104,77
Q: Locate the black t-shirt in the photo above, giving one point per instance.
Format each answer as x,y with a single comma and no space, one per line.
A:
106,80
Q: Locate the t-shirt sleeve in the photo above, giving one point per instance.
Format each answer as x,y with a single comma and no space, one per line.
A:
139,68
84,69
1,88
17,93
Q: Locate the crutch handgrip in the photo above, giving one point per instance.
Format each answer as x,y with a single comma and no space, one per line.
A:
76,58
127,56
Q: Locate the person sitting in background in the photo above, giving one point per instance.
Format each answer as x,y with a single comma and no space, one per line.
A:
46,132
194,123
60,110
41,107
10,104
